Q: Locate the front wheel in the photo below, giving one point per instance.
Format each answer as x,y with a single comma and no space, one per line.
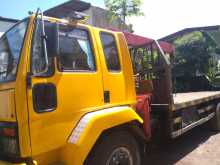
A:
119,148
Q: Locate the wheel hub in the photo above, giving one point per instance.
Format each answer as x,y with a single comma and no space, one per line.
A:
120,156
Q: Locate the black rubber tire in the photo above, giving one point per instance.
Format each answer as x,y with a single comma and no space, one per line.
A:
109,143
214,123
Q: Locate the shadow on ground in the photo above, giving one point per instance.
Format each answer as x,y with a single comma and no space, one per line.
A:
177,149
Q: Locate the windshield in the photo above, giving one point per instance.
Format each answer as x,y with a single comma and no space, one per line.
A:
10,49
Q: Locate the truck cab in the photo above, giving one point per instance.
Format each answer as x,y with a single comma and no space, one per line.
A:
63,85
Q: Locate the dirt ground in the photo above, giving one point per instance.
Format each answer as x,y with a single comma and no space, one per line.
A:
198,147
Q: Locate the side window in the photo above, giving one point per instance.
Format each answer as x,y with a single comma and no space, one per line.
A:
75,50
110,52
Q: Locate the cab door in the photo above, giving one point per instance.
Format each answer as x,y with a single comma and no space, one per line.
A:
111,63
72,87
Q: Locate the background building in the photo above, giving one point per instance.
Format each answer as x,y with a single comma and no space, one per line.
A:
98,17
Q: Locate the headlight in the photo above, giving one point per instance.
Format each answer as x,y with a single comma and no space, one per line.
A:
9,139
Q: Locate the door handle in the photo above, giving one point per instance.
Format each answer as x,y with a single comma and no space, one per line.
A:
106,96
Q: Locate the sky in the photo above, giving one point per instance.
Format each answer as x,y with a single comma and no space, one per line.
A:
162,17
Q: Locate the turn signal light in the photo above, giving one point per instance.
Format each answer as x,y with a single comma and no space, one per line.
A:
9,144
9,132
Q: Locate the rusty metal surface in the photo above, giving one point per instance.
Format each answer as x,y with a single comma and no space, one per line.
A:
182,100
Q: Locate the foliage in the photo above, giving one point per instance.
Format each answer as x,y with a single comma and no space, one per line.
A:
123,9
194,55
197,60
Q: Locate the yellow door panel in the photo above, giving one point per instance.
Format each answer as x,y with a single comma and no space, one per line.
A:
77,92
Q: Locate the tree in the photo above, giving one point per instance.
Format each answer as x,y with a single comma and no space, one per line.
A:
194,54
123,8
195,65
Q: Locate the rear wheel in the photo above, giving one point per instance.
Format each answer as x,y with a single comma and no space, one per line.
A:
119,148
215,121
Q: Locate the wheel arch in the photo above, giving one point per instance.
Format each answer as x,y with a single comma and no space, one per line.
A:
133,128
94,125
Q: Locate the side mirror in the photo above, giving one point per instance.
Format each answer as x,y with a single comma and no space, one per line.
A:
52,39
50,47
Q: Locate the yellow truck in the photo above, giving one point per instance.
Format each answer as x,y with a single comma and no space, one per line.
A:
68,96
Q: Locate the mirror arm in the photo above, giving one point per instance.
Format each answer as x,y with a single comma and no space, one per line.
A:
43,37
44,44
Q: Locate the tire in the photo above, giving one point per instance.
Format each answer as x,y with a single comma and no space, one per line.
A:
214,123
119,148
